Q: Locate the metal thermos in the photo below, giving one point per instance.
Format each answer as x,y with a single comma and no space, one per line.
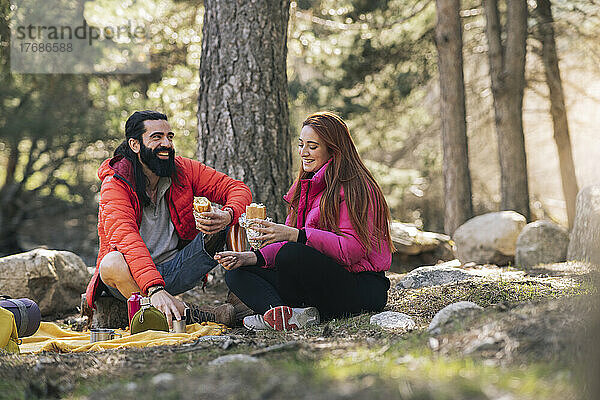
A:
133,305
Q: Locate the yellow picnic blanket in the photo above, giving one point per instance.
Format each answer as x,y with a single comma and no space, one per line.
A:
51,337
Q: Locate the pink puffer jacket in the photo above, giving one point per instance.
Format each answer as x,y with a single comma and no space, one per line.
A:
346,249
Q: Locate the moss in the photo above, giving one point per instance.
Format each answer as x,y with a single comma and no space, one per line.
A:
445,378
424,303
11,389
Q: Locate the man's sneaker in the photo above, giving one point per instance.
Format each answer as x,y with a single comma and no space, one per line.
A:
284,318
256,323
223,314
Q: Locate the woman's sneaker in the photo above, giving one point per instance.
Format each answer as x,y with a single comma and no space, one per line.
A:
255,323
284,318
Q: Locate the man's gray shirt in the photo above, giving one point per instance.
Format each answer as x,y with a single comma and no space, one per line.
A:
157,229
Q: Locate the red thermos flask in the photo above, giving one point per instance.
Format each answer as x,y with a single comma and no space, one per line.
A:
133,305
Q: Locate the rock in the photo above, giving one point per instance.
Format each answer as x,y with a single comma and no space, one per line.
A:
409,240
214,339
53,279
450,312
163,379
393,320
541,242
493,344
131,386
489,238
432,276
244,358
584,244
416,248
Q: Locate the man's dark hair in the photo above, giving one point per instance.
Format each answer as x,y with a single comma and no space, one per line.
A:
134,129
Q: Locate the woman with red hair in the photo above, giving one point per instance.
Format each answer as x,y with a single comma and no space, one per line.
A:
328,259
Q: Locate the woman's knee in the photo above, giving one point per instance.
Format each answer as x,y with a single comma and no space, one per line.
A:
290,253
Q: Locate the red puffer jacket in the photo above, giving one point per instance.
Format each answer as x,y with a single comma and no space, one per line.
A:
120,216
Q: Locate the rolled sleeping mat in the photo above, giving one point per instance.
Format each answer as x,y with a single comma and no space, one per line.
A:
27,314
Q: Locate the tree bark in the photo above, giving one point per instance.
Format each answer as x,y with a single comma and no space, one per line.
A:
507,72
10,213
243,111
11,164
457,179
584,242
557,106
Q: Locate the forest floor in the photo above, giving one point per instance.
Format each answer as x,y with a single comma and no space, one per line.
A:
531,341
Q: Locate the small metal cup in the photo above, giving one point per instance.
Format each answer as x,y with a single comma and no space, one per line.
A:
100,334
178,326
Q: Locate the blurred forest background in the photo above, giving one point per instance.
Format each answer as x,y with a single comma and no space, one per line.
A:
373,62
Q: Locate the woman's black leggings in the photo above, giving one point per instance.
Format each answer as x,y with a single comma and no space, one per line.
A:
305,277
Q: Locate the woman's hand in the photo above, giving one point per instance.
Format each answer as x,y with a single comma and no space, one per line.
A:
270,232
233,259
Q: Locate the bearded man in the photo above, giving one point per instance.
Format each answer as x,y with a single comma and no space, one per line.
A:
150,241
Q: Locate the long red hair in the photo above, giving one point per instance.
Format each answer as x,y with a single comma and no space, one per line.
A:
346,170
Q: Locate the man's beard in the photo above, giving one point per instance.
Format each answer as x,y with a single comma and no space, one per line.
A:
155,164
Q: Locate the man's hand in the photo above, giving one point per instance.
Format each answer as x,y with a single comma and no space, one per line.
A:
212,221
233,259
270,232
169,305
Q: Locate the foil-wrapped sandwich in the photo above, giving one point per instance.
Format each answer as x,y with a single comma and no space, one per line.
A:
253,211
256,211
201,204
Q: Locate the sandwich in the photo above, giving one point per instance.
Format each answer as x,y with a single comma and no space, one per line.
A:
201,204
256,211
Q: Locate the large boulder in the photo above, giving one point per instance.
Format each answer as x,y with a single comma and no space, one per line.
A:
432,276
584,244
489,238
53,279
409,240
416,248
541,242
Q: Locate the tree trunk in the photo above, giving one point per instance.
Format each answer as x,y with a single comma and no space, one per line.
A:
457,179
243,111
11,164
584,242
507,72
10,211
12,214
557,106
